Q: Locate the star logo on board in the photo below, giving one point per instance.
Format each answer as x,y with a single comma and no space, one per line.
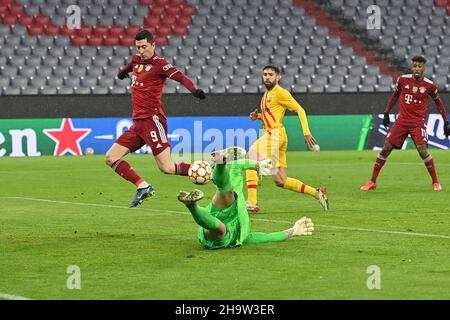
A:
67,138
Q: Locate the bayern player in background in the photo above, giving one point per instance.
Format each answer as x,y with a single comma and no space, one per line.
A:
413,90
149,73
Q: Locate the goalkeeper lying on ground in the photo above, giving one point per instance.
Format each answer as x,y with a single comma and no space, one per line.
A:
225,222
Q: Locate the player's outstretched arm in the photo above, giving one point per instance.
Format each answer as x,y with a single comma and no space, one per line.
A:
188,84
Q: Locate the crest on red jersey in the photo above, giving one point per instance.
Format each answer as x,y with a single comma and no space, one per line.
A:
148,67
414,89
422,89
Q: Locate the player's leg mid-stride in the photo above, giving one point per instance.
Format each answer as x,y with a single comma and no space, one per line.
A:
141,195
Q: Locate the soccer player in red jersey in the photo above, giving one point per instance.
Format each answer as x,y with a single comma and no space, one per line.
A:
149,73
413,90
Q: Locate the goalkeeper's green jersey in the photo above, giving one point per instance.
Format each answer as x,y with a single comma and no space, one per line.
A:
235,217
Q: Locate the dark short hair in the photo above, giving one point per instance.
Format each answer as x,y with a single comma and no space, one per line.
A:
274,68
144,34
420,59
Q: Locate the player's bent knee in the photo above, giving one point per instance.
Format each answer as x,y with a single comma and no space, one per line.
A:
109,161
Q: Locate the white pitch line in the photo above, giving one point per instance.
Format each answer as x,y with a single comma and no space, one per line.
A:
430,235
92,204
12,297
416,234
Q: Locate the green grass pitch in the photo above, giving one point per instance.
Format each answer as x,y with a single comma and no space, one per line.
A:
62,211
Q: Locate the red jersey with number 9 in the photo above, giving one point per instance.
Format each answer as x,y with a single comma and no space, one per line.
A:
147,84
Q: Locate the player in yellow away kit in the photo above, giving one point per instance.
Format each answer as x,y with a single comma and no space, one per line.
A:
273,143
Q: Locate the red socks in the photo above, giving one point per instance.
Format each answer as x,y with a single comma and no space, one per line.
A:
429,163
127,172
379,163
182,168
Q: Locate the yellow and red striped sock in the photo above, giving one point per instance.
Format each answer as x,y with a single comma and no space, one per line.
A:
298,186
252,186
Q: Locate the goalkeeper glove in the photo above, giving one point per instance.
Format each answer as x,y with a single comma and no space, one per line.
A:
199,93
264,167
446,128
386,120
122,75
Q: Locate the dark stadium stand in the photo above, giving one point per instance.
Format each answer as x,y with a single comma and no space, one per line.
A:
221,45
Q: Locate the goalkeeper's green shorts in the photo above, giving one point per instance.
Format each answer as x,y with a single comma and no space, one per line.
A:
230,218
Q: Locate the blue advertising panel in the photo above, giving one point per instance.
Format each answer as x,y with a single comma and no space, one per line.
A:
186,134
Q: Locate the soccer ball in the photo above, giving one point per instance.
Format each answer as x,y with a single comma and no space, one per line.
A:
200,172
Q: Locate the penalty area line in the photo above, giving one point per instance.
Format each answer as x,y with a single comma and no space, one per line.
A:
92,205
167,212
12,297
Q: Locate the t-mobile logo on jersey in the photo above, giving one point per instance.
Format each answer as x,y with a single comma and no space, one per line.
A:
408,98
135,83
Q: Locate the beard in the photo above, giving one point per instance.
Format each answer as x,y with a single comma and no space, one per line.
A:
269,85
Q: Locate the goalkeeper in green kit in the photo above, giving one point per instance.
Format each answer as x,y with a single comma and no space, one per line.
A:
225,221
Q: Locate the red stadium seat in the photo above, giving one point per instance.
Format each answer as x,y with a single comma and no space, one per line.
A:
95,41
179,30
132,30
161,41
126,41
111,41
84,31
25,19
168,20
150,27
152,20
66,31
159,3
176,2
172,11
116,30
440,3
78,41
163,31
15,8
3,7
51,30
35,29
188,10
9,19
41,19
100,30
448,9
157,10
184,20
